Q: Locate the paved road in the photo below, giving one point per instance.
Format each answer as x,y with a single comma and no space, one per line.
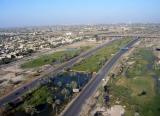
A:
52,71
75,108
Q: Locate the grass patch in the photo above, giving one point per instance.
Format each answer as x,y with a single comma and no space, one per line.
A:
128,92
57,57
136,90
38,97
95,62
144,60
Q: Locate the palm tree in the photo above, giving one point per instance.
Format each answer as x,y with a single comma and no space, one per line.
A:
74,85
65,92
51,102
57,102
68,85
59,84
102,61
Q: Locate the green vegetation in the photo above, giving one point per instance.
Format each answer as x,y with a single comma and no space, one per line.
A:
38,97
52,96
137,88
95,62
144,60
57,57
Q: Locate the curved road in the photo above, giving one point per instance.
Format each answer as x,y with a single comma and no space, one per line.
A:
75,108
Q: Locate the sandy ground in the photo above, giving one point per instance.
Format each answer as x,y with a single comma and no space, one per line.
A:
13,76
116,110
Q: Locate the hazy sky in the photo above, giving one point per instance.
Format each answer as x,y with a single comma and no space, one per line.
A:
50,12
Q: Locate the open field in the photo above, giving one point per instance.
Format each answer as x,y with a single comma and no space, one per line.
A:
136,89
13,75
57,57
95,62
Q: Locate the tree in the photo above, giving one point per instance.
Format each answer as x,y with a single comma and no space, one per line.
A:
68,85
30,51
74,84
59,84
30,110
66,57
65,92
53,60
51,102
57,102
102,60
96,36
6,60
13,56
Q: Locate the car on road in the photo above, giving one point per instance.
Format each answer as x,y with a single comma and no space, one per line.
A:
126,48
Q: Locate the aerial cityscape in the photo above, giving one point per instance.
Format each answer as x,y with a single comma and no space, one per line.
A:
79,58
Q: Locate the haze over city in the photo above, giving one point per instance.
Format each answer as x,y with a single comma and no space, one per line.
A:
17,13
79,57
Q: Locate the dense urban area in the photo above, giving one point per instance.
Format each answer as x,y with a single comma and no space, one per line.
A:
86,70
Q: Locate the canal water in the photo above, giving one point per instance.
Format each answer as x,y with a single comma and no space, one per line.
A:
61,81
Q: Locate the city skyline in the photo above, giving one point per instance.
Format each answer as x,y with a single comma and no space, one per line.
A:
19,13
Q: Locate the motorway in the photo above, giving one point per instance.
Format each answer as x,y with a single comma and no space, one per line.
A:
36,82
75,108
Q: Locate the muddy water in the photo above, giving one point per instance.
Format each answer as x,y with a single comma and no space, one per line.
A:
64,78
